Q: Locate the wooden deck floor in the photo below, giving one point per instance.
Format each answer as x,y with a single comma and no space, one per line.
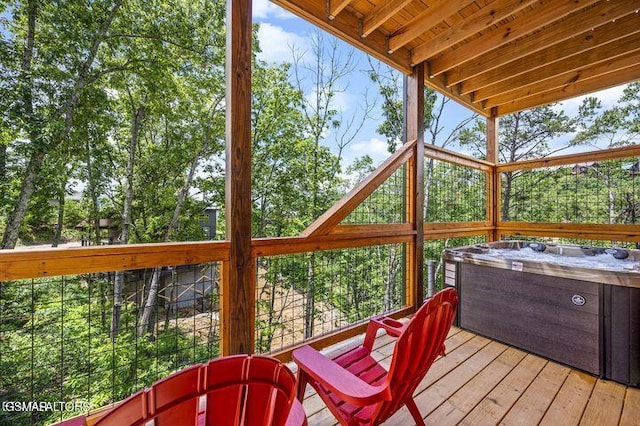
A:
483,382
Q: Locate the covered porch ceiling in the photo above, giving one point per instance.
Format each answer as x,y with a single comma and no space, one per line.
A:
494,56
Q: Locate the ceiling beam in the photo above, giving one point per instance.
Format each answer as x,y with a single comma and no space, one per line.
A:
381,14
438,84
479,21
336,6
425,21
562,80
547,12
613,39
592,57
574,89
576,24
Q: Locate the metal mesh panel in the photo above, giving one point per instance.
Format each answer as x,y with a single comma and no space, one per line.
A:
454,193
433,272
306,295
55,342
385,205
599,192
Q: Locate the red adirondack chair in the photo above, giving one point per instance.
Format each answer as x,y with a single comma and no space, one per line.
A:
357,389
234,390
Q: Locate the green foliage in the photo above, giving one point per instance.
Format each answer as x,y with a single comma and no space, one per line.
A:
389,86
456,194
56,348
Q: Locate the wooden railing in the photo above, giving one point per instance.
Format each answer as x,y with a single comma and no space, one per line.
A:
326,233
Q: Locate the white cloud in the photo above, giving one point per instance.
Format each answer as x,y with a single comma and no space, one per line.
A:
375,148
608,97
264,9
276,43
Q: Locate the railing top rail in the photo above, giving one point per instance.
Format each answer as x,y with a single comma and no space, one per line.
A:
562,160
453,157
35,263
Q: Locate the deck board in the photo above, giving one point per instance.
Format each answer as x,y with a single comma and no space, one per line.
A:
571,400
631,409
533,403
454,409
482,382
605,405
500,400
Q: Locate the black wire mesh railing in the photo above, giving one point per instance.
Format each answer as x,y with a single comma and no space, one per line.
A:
454,193
385,205
306,295
604,192
433,266
56,345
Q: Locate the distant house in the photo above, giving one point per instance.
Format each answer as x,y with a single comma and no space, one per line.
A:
582,168
190,287
634,169
107,226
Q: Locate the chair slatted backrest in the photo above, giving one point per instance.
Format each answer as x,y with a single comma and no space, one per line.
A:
132,411
167,402
229,391
238,384
176,398
417,348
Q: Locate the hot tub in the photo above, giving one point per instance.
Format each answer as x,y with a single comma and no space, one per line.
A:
576,305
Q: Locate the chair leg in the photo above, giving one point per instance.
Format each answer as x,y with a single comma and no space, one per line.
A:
301,384
415,413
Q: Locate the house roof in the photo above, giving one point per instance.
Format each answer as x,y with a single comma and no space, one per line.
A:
493,56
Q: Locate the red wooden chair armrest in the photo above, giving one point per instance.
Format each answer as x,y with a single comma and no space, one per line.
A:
80,420
393,327
336,379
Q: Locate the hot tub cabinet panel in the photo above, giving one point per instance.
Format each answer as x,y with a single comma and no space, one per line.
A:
622,337
523,310
588,319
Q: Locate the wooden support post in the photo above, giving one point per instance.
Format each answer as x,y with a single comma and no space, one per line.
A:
414,129
493,181
238,287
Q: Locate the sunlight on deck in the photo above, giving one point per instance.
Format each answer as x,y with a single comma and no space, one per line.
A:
483,382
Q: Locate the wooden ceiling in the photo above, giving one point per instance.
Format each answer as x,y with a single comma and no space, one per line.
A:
493,55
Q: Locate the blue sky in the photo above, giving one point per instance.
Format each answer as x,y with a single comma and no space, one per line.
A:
280,30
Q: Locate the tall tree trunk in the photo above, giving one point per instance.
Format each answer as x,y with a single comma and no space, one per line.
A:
611,198
14,222
118,284
3,171
19,212
40,147
309,309
506,201
427,184
94,210
392,270
150,300
61,200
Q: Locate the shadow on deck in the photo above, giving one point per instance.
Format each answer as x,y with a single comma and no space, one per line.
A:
483,382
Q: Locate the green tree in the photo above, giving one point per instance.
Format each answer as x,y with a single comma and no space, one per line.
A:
47,86
525,135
